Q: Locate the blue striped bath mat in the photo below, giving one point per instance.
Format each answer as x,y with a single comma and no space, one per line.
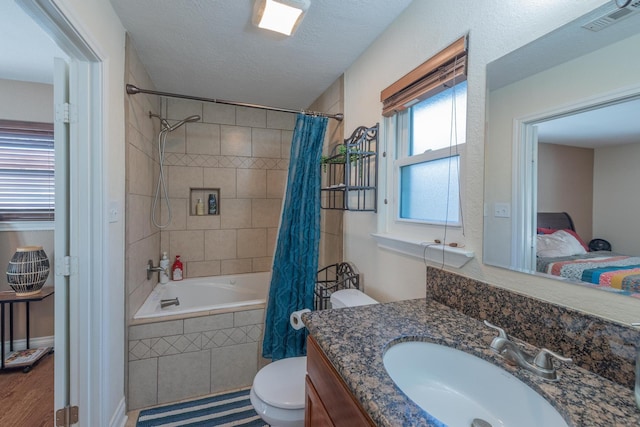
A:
230,409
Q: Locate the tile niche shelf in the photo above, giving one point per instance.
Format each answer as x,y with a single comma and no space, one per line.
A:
350,173
203,193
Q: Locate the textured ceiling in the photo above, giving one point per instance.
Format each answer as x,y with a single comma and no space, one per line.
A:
209,48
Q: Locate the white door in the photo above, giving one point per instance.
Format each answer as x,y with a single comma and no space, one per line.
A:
61,233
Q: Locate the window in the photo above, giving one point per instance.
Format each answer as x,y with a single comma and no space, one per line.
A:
428,158
425,113
26,171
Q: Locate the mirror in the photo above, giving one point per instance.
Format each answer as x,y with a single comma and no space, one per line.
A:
563,133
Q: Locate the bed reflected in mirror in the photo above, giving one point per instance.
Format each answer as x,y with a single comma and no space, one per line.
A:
562,146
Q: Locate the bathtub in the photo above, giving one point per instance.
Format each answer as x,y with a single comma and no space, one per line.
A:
206,294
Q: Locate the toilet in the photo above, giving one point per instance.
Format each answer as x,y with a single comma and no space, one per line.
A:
277,393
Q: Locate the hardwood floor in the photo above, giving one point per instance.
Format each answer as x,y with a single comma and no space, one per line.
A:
27,399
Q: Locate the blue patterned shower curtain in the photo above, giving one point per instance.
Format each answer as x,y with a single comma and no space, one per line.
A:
295,262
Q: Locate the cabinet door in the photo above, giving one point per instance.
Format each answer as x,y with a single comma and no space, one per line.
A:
315,414
340,406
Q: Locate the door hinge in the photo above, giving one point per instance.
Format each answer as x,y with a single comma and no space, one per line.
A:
66,113
67,266
67,416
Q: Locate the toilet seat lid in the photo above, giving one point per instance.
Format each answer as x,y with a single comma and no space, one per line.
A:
281,383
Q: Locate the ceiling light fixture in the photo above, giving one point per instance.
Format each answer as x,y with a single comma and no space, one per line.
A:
282,16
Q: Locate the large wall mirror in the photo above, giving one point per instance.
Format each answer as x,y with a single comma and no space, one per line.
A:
562,152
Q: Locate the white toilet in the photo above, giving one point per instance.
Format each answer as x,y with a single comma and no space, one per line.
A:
277,393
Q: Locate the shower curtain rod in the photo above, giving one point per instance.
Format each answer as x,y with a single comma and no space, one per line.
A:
132,90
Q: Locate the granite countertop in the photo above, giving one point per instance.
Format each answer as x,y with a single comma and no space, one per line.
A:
355,339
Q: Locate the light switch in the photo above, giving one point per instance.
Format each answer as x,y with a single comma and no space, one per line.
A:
502,210
114,211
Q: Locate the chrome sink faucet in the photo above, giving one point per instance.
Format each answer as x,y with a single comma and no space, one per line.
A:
541,364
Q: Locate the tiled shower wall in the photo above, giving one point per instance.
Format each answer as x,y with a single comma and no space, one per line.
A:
143,240
243,152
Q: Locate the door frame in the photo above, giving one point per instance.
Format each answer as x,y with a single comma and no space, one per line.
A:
88,231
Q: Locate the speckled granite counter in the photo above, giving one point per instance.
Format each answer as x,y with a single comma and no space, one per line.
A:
354,339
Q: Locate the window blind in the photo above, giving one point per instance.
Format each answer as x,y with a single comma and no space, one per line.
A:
26,171
438,73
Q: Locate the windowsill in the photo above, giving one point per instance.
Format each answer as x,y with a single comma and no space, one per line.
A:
453,257
27,226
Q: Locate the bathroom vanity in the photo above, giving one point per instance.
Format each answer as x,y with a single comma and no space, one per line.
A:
327,396
347,383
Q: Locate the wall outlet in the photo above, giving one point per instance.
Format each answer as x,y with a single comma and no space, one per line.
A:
502,210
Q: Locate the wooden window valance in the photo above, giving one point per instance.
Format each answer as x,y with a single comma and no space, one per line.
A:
438,73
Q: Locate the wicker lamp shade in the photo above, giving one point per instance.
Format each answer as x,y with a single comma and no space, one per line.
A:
28,270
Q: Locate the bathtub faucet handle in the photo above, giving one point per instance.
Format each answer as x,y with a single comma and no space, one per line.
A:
151,269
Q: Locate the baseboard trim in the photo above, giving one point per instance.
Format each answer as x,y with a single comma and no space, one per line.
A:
119,418
33,343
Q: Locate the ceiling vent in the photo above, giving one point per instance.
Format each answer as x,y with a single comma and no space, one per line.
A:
612,16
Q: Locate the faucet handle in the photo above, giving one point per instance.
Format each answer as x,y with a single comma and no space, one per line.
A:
543,359
501,332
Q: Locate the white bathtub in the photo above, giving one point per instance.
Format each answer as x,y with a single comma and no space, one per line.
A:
203,294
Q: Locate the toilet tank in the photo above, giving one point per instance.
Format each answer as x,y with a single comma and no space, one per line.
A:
350,298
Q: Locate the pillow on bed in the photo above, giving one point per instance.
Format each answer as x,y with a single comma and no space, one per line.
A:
558,244
573,233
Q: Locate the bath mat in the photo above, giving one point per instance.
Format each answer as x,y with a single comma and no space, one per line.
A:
229,409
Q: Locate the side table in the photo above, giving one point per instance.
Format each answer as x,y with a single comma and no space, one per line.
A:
11,298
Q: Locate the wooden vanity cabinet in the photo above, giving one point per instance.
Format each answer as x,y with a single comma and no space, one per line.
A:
328,400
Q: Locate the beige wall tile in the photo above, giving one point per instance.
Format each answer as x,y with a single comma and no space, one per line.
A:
136,138
222,178
138,254
203,138
276,182
138,217
251,117
203,268
287,137
235,141
265,212
203,222
188,244
251,183
178,109
219,113
280,120
272,239
179,212
252,242
236,266
233,366
220,244
140,172
175,142
183,375
235,213
143,383
262,264
266,143
182,178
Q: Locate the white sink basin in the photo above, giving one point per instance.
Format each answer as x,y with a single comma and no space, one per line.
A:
457,387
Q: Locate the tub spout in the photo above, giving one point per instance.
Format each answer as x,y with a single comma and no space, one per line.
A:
164,303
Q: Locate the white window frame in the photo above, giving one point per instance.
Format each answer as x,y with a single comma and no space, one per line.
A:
408,237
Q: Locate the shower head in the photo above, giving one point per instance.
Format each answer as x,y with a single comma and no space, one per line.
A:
166,127
183,121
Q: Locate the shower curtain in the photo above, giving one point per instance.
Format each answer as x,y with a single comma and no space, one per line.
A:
295,262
